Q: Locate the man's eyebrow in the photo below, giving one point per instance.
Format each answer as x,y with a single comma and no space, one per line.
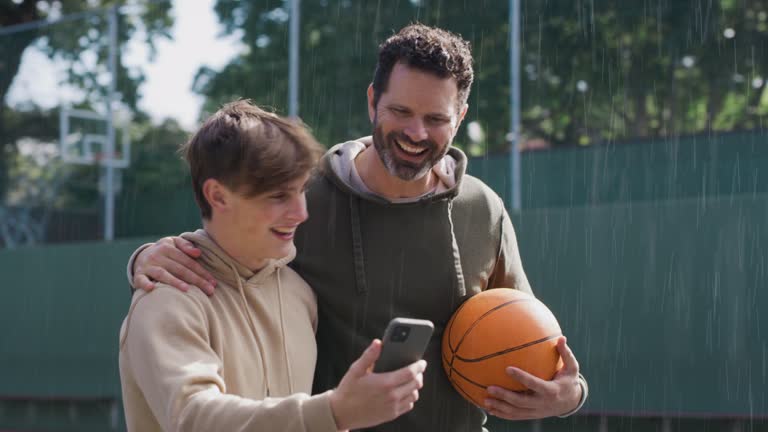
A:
440,115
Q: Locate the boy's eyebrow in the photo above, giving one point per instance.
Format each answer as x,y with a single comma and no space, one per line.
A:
285,188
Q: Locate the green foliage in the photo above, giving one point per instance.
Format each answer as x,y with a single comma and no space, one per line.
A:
339,40
83,44
82,47
156,163
590,70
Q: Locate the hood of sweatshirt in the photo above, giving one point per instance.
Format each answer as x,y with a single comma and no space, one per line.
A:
224,268
337,164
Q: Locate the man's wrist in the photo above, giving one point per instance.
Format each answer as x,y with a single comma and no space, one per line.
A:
582,398
132,262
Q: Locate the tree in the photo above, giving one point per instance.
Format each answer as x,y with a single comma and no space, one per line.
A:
606,70
157,167
339,41
67,42
591,70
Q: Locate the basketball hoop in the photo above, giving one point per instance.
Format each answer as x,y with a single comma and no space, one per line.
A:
91,138
83,139
101,159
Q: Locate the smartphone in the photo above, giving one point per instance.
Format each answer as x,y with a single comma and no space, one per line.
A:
404,342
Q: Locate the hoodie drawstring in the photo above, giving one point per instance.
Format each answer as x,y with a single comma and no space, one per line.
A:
357,248
456,255
357,245
282,332
247,313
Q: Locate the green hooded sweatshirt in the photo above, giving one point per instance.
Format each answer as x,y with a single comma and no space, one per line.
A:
370,260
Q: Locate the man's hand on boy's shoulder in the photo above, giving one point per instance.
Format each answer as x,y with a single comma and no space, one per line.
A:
171,260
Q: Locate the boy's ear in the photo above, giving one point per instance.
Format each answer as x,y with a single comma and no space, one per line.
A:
216,194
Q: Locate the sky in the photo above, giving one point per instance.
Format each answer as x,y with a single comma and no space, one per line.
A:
196,42
167,91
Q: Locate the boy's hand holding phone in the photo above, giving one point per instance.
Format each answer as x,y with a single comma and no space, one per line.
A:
364,398
384,382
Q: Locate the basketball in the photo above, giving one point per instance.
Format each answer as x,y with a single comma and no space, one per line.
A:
495,329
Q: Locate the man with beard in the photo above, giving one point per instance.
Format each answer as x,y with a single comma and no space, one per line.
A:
397,228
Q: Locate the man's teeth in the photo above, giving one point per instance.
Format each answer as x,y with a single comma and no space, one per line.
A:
410,149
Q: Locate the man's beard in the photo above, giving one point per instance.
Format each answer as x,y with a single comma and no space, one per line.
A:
402,169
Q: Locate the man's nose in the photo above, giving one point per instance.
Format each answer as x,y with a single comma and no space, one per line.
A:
416,130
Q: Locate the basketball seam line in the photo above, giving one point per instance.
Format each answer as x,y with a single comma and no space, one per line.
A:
456,371
508,350
474,324
465,378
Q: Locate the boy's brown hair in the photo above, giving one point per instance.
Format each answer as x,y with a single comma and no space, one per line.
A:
249,150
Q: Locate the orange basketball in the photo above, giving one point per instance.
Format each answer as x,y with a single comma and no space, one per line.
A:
492,330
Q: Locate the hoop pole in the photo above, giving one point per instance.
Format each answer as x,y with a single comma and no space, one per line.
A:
109,170
293,60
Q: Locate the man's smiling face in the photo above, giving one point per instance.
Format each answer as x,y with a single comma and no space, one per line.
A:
414,121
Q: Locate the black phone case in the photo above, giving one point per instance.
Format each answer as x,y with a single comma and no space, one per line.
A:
396,354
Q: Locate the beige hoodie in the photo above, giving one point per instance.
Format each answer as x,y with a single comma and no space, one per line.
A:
241,360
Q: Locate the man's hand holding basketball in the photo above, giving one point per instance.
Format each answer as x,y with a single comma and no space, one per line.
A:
544,398
171,260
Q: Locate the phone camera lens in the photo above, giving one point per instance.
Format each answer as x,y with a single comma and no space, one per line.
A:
400,334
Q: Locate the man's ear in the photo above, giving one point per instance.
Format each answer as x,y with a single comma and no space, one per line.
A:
216,194
371,106
462,113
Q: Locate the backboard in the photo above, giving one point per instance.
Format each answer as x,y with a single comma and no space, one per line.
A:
83,139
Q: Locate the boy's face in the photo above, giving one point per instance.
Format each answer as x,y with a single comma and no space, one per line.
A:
266,223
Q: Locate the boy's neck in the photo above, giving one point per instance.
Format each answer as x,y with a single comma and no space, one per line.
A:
233,245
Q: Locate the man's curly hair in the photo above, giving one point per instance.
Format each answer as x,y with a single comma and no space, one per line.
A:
430,49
